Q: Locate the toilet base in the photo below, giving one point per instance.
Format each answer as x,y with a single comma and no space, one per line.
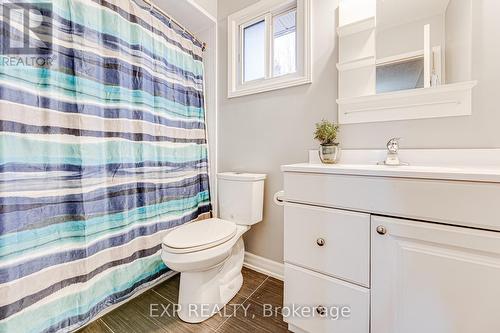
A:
203,294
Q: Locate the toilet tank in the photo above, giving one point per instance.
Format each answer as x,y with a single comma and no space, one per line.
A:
241,197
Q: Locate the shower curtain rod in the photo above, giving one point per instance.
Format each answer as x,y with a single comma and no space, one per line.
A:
149,2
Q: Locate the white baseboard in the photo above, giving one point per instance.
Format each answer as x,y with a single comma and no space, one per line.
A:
264,265
295,329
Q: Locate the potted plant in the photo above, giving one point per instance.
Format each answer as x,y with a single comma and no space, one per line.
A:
326,134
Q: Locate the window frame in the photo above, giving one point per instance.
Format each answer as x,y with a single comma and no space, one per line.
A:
266,10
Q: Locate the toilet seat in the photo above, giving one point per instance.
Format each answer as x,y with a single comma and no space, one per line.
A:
199,236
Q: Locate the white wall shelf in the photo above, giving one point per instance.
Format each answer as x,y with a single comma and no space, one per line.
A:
400,57
355,27
358,63
443,101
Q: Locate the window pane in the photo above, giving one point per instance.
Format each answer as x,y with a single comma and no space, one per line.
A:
285,43
254,51
408,74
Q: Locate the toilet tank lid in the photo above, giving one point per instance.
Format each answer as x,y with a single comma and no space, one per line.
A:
241,176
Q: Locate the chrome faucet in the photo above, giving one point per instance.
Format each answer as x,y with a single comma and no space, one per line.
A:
392,153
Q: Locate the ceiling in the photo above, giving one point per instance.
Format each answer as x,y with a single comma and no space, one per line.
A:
192,16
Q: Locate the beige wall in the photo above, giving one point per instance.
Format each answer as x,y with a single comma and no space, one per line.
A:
458,22
259,133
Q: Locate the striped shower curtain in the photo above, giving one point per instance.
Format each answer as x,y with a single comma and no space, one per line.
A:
102,150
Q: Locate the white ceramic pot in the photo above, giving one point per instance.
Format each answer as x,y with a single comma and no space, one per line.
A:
329,154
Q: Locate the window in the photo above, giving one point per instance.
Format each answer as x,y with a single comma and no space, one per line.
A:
285,43
269,47
254,51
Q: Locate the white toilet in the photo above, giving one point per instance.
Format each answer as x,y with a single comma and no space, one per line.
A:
209,253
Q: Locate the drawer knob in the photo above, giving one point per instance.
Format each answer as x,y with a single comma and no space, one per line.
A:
320,242
321,310
381,230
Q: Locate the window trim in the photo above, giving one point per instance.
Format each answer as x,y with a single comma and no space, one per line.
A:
266,10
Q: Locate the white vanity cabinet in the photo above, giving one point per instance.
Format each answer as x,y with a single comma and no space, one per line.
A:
361,241
434,278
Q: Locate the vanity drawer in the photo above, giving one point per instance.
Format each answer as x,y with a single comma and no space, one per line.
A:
312,290
329,241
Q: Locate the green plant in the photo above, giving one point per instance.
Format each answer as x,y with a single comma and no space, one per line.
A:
326,132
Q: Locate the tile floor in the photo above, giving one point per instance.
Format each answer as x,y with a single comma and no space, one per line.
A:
244,313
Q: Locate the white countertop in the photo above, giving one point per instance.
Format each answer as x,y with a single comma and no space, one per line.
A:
474,174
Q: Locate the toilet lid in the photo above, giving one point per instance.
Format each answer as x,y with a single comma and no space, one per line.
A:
200,235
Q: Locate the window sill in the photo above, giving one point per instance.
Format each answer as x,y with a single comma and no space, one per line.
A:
270,85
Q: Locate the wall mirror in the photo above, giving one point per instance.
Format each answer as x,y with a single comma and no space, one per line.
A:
408,32
404,59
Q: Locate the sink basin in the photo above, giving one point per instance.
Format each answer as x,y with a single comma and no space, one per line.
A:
481,165
446,173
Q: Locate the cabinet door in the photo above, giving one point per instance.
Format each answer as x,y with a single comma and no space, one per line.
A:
434,278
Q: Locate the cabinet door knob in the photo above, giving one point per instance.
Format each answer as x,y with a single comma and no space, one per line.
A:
381,230
320,242
321,310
